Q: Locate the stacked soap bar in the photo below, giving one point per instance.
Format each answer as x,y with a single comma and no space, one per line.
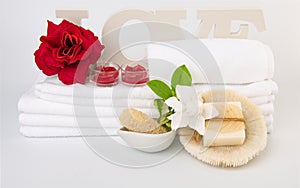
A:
228,128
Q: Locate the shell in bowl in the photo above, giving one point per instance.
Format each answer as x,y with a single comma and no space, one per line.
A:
147,142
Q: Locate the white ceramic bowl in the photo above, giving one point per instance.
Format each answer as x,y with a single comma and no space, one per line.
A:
148,142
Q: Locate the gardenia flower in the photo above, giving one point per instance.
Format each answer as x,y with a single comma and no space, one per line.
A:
189,110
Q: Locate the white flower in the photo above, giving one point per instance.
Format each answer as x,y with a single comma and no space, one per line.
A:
189,110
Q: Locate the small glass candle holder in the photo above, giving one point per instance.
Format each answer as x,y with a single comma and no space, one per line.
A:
134,74
105,74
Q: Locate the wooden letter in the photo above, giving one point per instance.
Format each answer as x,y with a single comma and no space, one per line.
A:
74,16
221,21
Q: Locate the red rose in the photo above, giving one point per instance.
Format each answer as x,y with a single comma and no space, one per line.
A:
67,50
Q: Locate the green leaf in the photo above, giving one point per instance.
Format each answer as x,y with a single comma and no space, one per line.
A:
164,121
160,105
160,89
168,124
181,76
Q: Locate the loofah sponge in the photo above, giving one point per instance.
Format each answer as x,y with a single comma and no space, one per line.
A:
229,156
137,121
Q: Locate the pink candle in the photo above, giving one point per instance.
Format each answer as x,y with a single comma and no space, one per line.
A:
134,75
107,75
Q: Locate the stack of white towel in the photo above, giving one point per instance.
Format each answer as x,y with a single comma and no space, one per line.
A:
52,109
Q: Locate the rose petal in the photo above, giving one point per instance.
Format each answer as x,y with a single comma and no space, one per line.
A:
45,62
51,28
75,73
67,75
51,41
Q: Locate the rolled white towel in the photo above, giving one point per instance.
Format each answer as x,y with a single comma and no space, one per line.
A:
236,61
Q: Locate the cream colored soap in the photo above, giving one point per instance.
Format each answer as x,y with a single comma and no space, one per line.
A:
224,139
228,128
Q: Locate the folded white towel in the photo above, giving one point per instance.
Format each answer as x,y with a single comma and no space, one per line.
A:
52,131
270,128
53,86
269,119
49,132
237,61
86,101
263,99
267,109
29,103
134,103
68,121
43,120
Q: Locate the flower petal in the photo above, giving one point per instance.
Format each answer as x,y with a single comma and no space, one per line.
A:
176,118
199,125
186,93
185,120
45,61
174,103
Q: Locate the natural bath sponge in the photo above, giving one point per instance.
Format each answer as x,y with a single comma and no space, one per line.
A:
137,121
229,156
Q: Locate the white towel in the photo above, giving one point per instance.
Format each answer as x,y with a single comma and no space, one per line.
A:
123,102
238,61
68,121
54,86
270,128
29,103
43,120
269,119
267,109
263,99
59,131
86,101
49,132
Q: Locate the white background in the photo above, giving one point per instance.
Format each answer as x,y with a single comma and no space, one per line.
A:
70,163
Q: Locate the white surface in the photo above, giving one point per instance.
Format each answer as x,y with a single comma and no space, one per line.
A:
30,163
